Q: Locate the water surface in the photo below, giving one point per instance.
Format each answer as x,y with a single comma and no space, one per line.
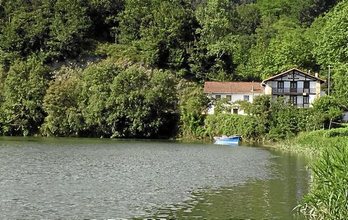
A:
105,179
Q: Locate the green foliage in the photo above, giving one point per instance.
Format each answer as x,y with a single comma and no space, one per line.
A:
64,117
327,198
214,39
193,103
54,28
163,31
196,40
212,57
226,124
103,14
95,92
331,46
340,87
23,91
266,120
329,109
140,101
68,29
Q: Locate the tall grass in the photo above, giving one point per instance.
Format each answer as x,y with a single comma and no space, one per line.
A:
328,197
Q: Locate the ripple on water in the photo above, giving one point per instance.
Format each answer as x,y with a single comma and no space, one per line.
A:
84,179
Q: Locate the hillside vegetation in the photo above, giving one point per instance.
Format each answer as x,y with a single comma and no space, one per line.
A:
124,68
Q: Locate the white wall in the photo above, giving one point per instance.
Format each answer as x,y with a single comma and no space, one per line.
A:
299,100
300,84
234,98
345,116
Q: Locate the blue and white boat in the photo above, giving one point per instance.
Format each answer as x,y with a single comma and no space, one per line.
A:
228,140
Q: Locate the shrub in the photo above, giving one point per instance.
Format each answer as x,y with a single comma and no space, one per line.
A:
328,198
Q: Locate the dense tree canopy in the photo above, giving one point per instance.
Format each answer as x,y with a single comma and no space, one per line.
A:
155,43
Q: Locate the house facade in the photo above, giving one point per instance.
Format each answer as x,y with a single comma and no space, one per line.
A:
297,87
232,92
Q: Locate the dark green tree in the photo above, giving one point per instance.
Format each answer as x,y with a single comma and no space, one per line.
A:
103,15
95,92
68,29
23,91
64,118
140,102
331,43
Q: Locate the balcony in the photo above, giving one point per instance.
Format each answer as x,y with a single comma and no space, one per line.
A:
292,91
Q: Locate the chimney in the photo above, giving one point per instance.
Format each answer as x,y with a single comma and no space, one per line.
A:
317,75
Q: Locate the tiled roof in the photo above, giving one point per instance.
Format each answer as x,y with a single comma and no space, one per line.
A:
233,87
293,69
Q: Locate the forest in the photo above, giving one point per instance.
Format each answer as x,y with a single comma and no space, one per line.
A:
131,68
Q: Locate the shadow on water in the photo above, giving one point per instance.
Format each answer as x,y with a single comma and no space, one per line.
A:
274,198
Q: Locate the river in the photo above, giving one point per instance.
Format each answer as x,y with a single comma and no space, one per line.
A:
67,178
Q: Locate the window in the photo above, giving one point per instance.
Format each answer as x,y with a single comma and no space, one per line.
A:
229,98
217,97
280,85
235,111
293,85
246,98
306,99
306,84
293,99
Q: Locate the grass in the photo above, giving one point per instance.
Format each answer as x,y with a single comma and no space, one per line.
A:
328,150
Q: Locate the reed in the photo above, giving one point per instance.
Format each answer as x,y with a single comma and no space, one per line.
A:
328,196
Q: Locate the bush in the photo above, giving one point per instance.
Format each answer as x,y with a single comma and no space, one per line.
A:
64,117
328,198
23,90
338,132
226,124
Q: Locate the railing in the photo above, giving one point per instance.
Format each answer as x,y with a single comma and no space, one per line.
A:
292,91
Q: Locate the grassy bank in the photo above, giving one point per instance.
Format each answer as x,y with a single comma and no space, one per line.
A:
328,150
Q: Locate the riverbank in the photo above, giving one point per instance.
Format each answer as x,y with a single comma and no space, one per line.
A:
328,152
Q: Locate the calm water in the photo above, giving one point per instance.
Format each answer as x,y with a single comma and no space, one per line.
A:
109,179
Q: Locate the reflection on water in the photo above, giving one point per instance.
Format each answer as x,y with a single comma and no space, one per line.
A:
108,179
274,198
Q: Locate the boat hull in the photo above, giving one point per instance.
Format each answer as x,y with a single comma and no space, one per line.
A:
235,140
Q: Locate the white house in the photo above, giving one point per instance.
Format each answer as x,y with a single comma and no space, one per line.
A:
296,86
232,92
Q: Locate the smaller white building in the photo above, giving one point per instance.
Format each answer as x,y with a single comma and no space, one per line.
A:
232,92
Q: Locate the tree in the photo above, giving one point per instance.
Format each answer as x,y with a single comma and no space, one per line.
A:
329,109
95,92
25,29
64,118
193,103
340,86
103,15
212,57
23,92
162,30
140,102
68,29
331,47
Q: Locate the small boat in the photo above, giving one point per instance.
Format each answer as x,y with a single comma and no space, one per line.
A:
228,140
